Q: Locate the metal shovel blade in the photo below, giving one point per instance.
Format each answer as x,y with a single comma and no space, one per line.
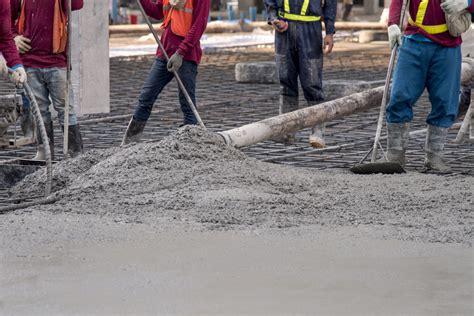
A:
378,167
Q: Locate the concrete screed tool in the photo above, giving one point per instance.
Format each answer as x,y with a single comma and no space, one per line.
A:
176,75
385,167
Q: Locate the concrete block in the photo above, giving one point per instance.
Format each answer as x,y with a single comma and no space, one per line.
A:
90,58
256,72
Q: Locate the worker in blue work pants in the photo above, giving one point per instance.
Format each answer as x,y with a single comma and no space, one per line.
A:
299,47
429,57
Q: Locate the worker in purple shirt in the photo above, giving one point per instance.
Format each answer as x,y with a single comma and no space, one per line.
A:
40,30
184,23
8,54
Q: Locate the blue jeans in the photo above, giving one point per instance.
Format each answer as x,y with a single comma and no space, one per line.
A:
299,53
49,86
426,65
158,78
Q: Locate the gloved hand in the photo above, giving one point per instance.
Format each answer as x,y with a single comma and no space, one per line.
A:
394,35
3,67
22,44
175,62
454,6
19,76
178,4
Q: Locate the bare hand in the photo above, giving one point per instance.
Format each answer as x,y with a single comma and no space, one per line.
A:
280,26
23,44
328,44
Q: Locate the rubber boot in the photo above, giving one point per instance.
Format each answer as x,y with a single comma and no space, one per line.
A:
287,104
397,142
134,132
40,151
347,12
316,138
75,145
435,140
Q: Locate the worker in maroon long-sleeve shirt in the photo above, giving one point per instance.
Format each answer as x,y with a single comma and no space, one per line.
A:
10,56
40,29
184,23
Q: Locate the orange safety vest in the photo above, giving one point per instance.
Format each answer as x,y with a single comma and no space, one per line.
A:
181,20
59,26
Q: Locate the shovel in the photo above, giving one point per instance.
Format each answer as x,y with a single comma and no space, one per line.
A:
385,167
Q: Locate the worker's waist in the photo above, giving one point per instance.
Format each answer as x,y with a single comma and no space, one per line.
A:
298,17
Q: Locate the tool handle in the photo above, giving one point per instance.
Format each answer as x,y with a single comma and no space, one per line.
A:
178,79
68,82
386,91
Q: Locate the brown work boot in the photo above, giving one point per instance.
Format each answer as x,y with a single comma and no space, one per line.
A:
435,140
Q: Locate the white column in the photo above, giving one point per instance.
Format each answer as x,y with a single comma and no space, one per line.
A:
90,58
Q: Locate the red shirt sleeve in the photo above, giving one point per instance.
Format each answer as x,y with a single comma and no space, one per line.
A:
154,10
7,45
394,13
201,14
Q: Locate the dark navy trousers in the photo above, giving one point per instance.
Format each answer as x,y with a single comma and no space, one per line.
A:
158,78
299,53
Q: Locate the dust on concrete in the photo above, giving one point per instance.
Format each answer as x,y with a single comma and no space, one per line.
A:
191,176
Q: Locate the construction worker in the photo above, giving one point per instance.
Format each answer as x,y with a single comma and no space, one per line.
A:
429,58
299,50
184,23
40,29
348,4
8,54
467,49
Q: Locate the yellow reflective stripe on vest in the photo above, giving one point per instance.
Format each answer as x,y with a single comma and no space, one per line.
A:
430,29
420,17
298,17
302,18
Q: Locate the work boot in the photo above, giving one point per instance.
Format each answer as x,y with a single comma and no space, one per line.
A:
397,142
134,132
347,12
316,138
75,146
287,104
435,140
40,151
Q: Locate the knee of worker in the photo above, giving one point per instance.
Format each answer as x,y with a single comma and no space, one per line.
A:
311,74
399,111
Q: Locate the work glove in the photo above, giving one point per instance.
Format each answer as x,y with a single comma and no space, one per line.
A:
178,4
175,62
3,67
19,76
23,44
394,35
454,6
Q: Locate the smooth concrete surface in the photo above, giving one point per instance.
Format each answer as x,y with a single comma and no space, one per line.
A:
303,271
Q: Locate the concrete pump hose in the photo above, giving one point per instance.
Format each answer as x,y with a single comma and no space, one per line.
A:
40,123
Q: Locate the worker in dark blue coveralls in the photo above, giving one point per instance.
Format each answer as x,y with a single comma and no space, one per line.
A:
299,48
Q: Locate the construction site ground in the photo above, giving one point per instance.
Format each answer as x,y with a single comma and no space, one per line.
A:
275,242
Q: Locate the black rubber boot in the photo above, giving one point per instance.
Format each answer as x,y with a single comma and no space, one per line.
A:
134,132
287,104
75,146
40,152
435,140
397,142
347,12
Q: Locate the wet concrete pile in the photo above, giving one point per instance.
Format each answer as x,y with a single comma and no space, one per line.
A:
193,177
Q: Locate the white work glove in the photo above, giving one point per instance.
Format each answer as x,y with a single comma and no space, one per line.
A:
23,44
175,62
178,4
3,67
394,35
454,6
19,76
